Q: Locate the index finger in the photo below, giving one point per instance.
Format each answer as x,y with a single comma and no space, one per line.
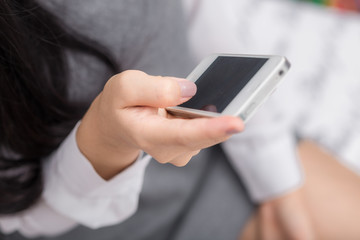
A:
194,133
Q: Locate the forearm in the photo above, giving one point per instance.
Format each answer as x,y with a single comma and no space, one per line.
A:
103,154
72,188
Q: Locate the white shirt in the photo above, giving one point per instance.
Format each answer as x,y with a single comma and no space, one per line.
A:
75,194
264,155
317,99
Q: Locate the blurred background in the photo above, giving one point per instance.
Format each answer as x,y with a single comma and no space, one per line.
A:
319,98
321,38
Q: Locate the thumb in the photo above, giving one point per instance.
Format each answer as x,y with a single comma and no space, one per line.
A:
136,88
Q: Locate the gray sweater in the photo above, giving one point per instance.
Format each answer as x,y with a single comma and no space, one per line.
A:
143,35
203,200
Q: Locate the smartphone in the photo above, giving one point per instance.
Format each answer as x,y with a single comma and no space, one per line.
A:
234,85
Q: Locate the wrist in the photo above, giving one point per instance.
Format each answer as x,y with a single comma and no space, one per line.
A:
108,157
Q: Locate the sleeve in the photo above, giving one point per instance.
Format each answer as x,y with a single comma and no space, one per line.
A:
268,168
265,154
75,194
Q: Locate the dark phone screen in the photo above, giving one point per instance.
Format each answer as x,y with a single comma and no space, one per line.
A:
222,81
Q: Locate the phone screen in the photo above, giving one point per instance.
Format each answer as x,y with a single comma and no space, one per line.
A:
222,81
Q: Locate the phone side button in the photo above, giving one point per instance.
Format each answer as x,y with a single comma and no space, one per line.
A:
249,109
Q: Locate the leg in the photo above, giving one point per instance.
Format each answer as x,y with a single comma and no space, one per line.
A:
331,195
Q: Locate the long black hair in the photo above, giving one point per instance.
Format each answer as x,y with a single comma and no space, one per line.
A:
35,111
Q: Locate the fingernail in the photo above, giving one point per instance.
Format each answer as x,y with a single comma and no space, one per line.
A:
188,88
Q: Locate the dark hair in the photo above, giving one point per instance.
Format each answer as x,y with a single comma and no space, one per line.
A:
35,112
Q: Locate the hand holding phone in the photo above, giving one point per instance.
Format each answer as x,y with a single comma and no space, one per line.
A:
234,85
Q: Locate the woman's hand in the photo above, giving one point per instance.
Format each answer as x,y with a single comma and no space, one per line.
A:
326,207
286,217
129,116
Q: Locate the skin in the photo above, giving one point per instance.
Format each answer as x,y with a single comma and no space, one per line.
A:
129,116
326,207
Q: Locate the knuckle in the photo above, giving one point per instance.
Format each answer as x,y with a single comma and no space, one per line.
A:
168,93
108,85
196,152
121,85
114,86
120,80
162,157
161,160
181,162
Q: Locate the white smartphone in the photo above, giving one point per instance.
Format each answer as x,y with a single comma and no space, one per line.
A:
234,85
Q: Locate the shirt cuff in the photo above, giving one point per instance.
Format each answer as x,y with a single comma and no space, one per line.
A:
269,168
73,187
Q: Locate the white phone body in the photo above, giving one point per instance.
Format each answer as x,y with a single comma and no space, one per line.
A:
235,84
